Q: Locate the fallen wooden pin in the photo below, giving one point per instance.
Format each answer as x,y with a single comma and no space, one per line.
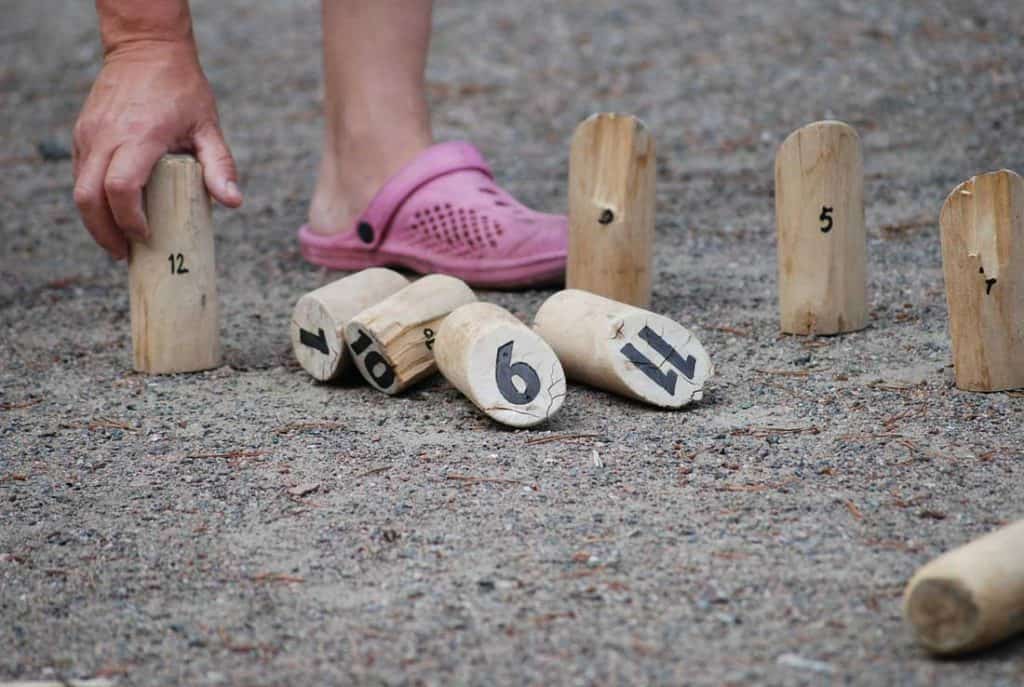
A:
392,342
173,274
624,349
822,241
971,597
319,319
983,262
612,174
500,364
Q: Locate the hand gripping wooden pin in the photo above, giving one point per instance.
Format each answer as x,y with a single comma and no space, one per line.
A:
500,364
612,174
971,597
822,243
983,261
623,349
173,274
319,319
392,342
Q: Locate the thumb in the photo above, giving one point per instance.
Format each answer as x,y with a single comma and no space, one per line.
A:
219,171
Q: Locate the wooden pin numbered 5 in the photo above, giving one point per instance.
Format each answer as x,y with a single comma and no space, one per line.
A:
819,207
983,262
623,349
319,319
500,364
173,274
392,342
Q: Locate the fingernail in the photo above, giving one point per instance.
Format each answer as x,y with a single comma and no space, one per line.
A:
231,188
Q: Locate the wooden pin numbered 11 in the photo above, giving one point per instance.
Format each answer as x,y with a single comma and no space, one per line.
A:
623,349
173,274
500,364
392,342
319,319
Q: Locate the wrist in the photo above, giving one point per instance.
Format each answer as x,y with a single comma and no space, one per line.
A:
128,23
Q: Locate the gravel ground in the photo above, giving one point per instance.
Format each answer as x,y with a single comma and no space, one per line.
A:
167,530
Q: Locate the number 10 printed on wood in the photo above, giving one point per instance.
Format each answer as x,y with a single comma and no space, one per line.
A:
819,205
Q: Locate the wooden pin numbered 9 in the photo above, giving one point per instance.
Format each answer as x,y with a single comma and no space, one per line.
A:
819,207
983,261
623,349
319,319
173,274
392,342
500,364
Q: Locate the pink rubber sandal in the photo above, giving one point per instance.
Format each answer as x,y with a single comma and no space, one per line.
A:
443,213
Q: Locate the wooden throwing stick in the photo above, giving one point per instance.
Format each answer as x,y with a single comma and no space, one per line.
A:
173,274
392,342
971,597
319,319
612,174
822,242
500,364
623,349
983,262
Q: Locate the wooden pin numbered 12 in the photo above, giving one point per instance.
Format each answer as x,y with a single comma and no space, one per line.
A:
819,207
173,274
623,349
319,319
500,364
392,342
983,261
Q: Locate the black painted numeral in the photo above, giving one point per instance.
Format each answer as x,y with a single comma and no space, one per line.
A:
666,380
826,217
428,338
317,341
382,373
505,371
177,261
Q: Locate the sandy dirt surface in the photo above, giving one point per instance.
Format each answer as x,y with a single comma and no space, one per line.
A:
248,526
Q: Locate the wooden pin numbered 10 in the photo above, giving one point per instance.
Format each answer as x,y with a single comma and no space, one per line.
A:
392,342
319,319
623,349
500,364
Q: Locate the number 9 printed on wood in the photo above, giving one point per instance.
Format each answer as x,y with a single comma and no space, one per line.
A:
623,349
499,364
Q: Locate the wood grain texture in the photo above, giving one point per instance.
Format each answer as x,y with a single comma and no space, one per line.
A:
501,365
612,170
982,224
173,275
320,316
392,342
971,597
822,242
624,349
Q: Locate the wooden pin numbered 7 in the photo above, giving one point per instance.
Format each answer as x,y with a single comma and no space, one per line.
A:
623,349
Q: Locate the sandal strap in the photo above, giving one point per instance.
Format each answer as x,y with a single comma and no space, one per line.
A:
436,161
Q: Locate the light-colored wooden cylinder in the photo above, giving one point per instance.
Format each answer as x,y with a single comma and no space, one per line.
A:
173,274
612,174
623,349
392,342
971,597
319,319
983,261
500,364
822,241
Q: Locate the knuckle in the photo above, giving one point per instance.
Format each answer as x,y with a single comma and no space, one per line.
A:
121,185
85,197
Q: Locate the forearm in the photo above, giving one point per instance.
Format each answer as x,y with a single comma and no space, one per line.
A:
123,22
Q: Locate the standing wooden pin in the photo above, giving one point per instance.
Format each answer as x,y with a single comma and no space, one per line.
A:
319,319
611,208
983,262
173,274
626,350
819,207
392,342
971,597
500,364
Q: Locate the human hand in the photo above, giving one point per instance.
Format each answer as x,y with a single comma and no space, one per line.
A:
150,98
